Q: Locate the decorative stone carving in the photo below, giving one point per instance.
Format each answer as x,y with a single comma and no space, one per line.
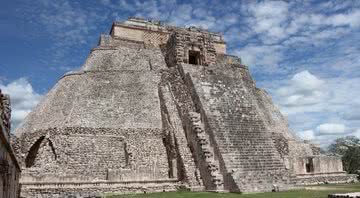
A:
6,110
9,167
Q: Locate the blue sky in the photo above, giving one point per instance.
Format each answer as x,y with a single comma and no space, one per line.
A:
304,53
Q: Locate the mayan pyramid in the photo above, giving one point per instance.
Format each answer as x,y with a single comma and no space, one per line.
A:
160,108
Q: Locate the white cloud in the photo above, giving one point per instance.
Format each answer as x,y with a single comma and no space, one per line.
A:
301,82
269,18
306,135
330,128
261,57
307,93
126,6
326,106
231,18
199,12
23,99
350,19
291,26
302,89
276,32
306,81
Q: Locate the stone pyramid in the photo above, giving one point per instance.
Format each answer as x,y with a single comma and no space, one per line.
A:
159,108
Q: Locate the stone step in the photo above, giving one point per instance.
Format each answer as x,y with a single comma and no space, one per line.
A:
268,146
252,158
260,176
257,168
208,151
257,140
253,153
241,136
257,163
242,147
261,169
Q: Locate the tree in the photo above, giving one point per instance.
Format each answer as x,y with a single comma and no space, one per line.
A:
349,148
351,159
341,145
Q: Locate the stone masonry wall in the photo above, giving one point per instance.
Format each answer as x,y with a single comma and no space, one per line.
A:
154,33
181,94
9,167
96,99
124,58
238,131
329,178
9,173
187,170
5,113
113,81
180,42
107,41
101,123
95,189
208,161
85,154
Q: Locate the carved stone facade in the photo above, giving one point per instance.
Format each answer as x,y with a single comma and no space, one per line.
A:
158,107
9,167
194,47
6,112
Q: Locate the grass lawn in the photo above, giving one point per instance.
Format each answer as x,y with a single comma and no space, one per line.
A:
319,191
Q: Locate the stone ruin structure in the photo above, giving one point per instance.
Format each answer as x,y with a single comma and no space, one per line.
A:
9,166
159,108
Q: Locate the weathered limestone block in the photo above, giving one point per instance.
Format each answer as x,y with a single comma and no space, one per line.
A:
5,111
9,166
345,195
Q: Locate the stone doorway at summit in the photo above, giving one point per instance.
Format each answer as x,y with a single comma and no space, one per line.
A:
194,57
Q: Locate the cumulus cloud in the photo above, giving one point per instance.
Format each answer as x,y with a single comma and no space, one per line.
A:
67,23
269,18
261,56
23,99
319,109
302,89
305,81
304,92
330,128
306,135
278,32
348,19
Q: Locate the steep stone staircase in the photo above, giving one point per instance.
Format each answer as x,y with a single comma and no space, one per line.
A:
202,138
244,143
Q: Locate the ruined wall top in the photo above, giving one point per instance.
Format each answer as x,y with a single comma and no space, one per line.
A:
157,33
5,116
5,112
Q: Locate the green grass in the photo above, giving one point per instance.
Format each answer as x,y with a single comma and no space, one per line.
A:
354,186
320,191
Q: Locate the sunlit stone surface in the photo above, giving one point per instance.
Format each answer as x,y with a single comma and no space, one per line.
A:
157,107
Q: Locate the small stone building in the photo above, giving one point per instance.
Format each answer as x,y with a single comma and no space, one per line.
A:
9,167
157,108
